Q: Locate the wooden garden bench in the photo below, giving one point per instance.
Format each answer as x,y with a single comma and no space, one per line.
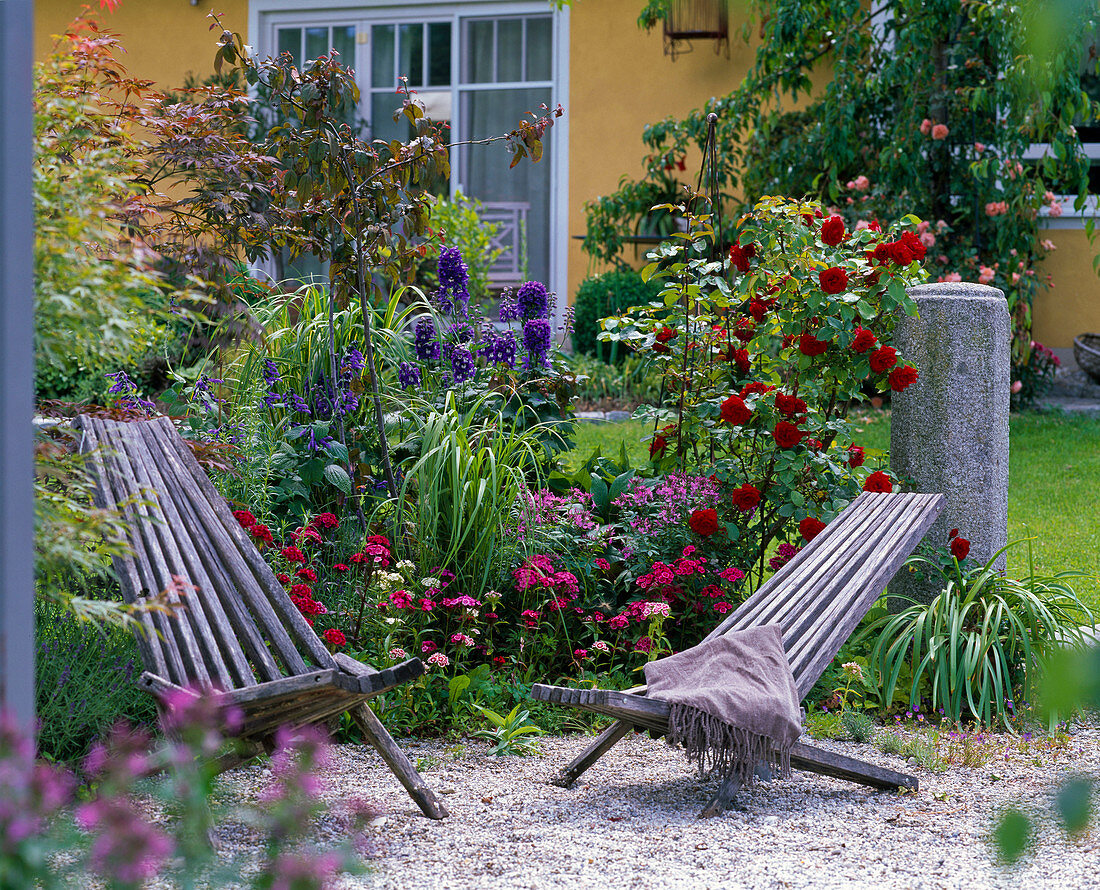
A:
233,628
817,599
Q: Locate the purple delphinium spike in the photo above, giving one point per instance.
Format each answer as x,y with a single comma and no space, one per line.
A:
454,283
536,342
408,375
532,300
425,342
462,365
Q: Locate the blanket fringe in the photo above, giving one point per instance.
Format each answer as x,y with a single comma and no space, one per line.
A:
715,746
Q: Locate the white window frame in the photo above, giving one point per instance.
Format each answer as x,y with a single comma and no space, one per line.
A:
264,16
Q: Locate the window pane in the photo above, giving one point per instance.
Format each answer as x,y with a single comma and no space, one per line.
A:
509,50
521,194
479,52
317,43
439,54
343,41
410,46
290,41
382,126
381,54
538,48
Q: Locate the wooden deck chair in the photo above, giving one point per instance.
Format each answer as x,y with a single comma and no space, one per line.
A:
236,630
817,600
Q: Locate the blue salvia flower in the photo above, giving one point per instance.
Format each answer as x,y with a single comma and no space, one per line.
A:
271,373
297,403
126,388
355,360
349,402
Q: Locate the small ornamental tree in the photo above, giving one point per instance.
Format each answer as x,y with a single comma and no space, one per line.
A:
763,352
902,106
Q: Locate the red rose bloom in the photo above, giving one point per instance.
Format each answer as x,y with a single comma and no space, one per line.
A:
757,310
855,456
878,481
832,230
744,331
735,411
901,377
739,258
809,345
755,387
658,446
883,359
864,340
741,359
334,637
789,406
704,522
663,336
786,435
245,518
833,280
746,497
960,547
810,528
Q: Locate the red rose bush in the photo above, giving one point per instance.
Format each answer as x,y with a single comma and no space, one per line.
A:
764,348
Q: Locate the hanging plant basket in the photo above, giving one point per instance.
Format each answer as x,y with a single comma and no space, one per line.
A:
689,20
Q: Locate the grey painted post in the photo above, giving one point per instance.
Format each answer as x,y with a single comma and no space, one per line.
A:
949,430
16,364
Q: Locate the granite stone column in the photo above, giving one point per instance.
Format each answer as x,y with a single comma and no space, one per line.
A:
949,430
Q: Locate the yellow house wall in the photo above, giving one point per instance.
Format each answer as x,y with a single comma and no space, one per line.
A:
165,40
1073,306
619,81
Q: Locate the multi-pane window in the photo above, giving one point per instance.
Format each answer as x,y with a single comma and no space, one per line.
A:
478,72
306,44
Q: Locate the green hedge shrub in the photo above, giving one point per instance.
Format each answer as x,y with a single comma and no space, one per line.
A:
600,296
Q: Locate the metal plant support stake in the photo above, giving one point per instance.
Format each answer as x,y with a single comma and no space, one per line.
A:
16,364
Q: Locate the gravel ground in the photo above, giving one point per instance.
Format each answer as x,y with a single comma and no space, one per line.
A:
631,821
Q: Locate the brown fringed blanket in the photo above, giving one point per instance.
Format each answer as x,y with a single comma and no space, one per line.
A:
733,701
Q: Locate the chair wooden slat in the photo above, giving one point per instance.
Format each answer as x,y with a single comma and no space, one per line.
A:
274,610
149,639
246,579
243,632
203,611
155,577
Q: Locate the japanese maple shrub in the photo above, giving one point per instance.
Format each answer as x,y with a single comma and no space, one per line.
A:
763,351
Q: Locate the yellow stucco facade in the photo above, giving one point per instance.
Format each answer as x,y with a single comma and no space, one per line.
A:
619,80
1073,306
165,40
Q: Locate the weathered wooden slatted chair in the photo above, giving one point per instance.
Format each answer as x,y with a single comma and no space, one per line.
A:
817,600
235,629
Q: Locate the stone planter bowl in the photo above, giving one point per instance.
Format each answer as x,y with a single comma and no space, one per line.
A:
1086,350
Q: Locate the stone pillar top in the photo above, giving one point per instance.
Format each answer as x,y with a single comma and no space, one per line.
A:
956,290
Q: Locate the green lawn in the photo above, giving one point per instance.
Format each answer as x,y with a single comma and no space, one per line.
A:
1054,487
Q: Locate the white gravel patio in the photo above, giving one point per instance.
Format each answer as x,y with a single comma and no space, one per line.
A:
631,821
